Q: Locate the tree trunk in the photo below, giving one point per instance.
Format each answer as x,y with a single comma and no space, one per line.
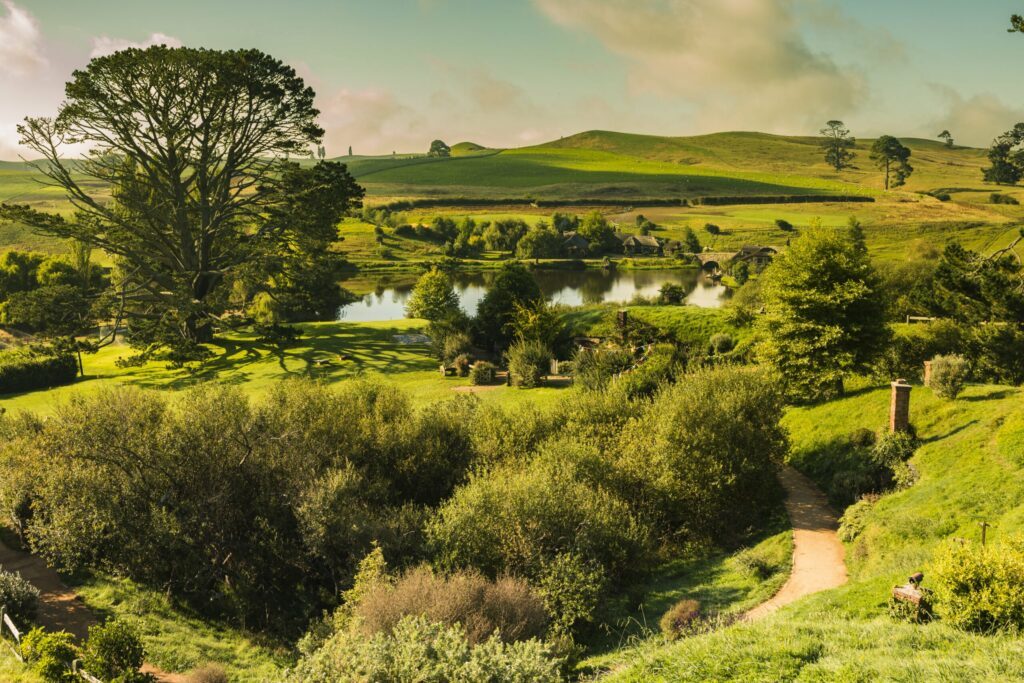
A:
81,366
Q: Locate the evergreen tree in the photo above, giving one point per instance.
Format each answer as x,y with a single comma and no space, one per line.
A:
1007,158
824,311
690,242
837,143
891,156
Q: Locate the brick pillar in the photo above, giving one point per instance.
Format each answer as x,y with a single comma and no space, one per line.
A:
899,407
927,373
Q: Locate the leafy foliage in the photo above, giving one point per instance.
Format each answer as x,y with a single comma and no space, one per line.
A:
890,155
25,369
19,598
824,312
979,588
113,649
433,298
838,144
949,373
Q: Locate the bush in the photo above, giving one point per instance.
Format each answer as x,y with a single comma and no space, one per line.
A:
528,363
680,619
113,649
757,563
712,228
949,374
997,198
594,368
209,673
721,343
482,373
853,521
19,598
672,294
979,588
506,607
784,225
461,364
50,655
27,369
417,650
572,588
893,449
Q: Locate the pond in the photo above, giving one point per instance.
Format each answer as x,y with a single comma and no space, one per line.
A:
390,293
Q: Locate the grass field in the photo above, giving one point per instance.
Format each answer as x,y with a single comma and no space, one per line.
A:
349,350
971,465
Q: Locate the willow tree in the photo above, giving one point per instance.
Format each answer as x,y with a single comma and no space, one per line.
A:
186,151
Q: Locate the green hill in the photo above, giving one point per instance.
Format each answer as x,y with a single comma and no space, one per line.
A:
971,469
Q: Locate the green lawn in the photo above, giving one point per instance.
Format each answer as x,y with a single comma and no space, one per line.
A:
350,350
971,465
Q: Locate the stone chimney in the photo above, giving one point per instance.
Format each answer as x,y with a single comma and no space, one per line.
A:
899,407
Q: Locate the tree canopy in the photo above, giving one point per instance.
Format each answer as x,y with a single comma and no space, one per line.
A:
192,144
824,311
891,156
838,144
433,298
1007,157
438,148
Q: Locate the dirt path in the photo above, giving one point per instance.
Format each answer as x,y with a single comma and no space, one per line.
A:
818,562
59,608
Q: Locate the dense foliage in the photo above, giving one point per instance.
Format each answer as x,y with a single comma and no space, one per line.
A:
19,598
27,368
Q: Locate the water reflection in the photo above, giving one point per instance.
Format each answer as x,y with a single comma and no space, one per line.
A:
389,294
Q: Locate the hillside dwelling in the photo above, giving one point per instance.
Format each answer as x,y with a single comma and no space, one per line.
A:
575,244
642,244
755,256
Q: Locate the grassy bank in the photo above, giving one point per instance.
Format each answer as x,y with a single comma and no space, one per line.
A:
971,467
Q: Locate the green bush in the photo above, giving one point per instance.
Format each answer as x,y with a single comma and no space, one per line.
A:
980,588
482,373
19,598
671,294
572,588
506,606
26,369
998,198
949,374
50,655
461,365
721,343
209,673
893,449
417,650
681,619
113,649
757,563
912,345
594,368
853,521
528,363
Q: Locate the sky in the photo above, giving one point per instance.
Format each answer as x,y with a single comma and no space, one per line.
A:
392,75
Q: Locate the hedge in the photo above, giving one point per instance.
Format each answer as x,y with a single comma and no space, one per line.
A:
27,369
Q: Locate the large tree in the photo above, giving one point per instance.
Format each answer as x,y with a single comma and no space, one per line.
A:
824,314
947,137
1007,157
892,157
838,144
190,144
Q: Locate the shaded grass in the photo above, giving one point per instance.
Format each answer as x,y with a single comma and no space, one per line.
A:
177,641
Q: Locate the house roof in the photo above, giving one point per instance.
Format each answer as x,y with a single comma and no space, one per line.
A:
645,240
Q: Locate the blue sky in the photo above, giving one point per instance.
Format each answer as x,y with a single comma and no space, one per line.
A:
394,74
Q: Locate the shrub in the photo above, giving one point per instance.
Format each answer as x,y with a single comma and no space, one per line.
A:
980,588
27,369
571,588
863,438
998,198
892,449
209,673
528,363
680,619
853,521
672,294
417,650
482,373
594,368
506,606
712,228
757,563
949,373
461,364
721,343
784,225
113,649
19,598
50,655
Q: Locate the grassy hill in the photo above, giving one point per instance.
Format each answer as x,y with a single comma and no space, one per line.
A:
971,465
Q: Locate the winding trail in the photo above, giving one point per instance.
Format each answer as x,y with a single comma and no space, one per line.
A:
60,609
818,562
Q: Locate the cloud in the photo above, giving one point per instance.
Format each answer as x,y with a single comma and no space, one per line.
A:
20,42
370,120
105,45
974,120
739,62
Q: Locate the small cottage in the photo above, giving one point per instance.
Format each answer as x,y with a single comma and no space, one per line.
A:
641,244
575,245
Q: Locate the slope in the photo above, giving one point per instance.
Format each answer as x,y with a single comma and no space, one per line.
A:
971,466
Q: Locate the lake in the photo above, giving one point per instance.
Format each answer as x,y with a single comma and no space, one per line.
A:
570,287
